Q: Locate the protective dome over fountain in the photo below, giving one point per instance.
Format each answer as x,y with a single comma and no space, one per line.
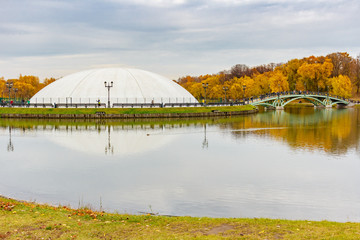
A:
129,86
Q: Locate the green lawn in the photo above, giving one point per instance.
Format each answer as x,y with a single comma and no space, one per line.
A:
25,220
122,110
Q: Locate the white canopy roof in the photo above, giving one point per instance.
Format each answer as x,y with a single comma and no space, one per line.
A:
129,86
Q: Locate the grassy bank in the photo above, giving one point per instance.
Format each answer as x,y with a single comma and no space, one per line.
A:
123,110
23,220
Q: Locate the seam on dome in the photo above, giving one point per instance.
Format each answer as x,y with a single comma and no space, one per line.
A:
80,83
136,82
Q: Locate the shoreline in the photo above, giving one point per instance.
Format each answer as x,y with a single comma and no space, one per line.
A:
133,113
22,219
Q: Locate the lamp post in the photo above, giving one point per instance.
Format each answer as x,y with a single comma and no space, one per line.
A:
295,88
108,86
244,88
15,91
225,89
205,86
9,85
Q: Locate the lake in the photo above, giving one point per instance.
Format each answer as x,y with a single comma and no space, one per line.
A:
300,163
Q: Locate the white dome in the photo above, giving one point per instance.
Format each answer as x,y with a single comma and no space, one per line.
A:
129,86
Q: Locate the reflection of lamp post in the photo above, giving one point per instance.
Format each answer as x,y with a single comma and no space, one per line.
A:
205,86
108,86
205,143
225,89
109,148
9,85
244,88
10,146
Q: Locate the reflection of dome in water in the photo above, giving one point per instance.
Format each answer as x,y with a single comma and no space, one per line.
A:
130,85
118,142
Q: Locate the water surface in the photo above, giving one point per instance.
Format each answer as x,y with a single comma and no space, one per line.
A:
292,164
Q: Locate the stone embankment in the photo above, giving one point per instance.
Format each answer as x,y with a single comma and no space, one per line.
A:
103,115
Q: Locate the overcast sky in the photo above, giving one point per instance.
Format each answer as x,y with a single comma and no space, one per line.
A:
53,38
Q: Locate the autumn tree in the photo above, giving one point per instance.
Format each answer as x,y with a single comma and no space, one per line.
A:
310,73
278,82
236,89
47,81
290,69
263,83
356,71
341,86
2,86
196,90
240,70
341,62
314,76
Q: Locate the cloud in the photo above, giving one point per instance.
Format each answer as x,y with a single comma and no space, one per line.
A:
177,33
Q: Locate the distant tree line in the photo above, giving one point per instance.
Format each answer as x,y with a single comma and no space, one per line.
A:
337,73
23,88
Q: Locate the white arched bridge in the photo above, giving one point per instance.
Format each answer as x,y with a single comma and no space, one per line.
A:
280,100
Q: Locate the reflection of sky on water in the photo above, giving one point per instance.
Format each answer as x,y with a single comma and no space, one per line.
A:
124,142
251,176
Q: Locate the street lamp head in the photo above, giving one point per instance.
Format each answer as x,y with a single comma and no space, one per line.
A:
112,83
244,87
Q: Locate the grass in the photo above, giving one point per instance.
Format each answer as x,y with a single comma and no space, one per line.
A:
122,110
28,220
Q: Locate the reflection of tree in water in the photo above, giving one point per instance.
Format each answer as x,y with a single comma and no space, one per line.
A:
333,130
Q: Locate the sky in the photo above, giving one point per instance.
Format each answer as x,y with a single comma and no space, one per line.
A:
53,38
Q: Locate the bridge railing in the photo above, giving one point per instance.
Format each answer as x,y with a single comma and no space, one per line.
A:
287,93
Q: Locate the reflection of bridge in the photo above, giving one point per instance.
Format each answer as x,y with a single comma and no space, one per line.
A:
280,100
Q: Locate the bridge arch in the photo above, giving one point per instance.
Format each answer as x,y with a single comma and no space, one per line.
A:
314,98
305,97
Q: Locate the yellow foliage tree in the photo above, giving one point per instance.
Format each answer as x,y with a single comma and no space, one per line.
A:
314,76
341,86
278,82
2,86
251,88
263,83
196,90
236,91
